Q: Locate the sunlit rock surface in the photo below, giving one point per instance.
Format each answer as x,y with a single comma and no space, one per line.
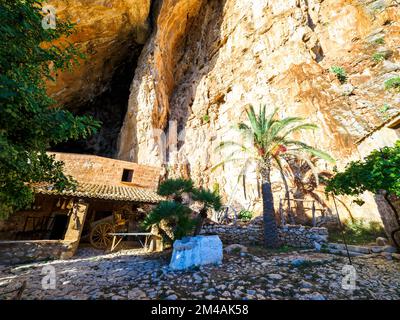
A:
196,251
207,60
107,32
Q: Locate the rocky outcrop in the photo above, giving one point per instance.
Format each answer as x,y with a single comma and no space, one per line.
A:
207,60
191,252
108,33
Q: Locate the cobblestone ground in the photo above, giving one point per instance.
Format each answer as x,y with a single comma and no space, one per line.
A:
133,274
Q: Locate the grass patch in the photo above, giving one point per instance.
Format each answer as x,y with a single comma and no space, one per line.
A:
385,108
378,57
393,83
340,73
206,118
245,215
358,232
236,250
379,41
258,250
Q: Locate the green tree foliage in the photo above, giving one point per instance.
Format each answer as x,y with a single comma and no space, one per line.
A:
173,218
393,83
245,215
380,170
208,198
175,187
30,120
340,73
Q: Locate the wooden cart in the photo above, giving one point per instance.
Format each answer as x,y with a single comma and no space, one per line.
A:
100,231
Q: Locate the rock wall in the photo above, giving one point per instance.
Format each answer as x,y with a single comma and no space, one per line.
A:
207,60
252,234
107,32
18,252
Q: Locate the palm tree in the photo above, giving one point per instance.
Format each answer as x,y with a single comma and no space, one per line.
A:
173,217
270,138
209,200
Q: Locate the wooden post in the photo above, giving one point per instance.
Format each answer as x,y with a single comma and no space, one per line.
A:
313,214
75,226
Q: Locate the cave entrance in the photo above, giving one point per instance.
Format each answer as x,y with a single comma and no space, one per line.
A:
110,108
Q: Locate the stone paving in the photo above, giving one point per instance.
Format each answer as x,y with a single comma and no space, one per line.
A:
259,274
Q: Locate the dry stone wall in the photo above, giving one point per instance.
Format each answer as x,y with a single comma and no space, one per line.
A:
252,234
18,252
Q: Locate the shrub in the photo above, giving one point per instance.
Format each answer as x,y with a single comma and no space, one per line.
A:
380,170
379,41
206,118
385,108
175,187
245,215
393,83
172,219
216,188
340,73
384,111
358,232
208,198
378,57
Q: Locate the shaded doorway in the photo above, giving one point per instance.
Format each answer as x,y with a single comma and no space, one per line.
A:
59,227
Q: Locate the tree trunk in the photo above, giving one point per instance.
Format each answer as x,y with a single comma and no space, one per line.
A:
201,218
389,216
270,227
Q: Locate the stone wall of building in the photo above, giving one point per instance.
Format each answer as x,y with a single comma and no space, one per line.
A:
10,227
100,170
18,252
252,234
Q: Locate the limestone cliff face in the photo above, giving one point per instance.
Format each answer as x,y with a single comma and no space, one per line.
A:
107,32
207,60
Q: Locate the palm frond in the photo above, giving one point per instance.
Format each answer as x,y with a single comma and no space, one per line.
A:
174,186
283,125
255,125
270,118
226,161
262,118
227,144
304,126
310,164
210,199
240,148
243,126
311,150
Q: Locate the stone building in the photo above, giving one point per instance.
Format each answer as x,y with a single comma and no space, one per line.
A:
111,195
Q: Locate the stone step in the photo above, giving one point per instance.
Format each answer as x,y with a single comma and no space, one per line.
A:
344,253
340,246
355,250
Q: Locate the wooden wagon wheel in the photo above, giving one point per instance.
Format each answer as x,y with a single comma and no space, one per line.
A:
99,236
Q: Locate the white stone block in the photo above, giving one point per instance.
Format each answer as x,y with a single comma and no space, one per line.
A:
196,251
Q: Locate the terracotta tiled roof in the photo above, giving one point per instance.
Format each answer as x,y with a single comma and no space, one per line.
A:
105,192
